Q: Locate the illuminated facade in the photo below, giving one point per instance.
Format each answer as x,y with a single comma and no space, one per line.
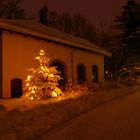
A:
20,41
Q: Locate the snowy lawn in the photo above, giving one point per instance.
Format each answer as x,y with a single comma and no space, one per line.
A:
28,120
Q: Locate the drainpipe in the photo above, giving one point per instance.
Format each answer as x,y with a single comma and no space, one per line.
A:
72,61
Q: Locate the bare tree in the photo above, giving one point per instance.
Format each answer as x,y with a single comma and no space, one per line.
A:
54,19
11,9
75,24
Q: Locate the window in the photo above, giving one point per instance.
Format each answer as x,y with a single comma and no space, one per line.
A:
62,70
81,74
94,73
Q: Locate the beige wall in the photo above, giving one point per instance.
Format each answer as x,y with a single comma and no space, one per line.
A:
0,64
19,51
88,60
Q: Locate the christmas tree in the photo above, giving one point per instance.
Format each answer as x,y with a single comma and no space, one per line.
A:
43,82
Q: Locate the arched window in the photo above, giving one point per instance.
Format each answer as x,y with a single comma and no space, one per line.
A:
94,73
62,70
81,78
16,87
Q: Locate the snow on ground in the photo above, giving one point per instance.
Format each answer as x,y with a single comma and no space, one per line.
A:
116,120
28,120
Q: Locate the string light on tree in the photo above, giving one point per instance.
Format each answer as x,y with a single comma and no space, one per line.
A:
43,82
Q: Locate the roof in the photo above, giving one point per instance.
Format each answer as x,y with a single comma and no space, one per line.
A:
33,28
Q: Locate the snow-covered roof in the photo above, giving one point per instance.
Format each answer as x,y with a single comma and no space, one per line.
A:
33,28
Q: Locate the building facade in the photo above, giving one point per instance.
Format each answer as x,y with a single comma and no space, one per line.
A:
20,41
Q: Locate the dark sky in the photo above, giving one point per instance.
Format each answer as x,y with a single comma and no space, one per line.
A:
96,11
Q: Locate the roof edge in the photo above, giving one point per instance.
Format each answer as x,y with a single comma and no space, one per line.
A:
25,31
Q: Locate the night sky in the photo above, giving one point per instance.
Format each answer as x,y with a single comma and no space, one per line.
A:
96,11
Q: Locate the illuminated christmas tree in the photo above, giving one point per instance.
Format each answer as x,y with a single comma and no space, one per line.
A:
43,82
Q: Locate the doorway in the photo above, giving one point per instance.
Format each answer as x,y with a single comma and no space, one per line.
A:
16,88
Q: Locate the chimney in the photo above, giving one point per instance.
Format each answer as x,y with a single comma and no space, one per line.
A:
43,15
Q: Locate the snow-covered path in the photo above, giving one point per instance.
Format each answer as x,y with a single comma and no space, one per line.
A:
115,120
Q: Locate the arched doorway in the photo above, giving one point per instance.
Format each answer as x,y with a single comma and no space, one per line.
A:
81,71
16,88
94,73
61,67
